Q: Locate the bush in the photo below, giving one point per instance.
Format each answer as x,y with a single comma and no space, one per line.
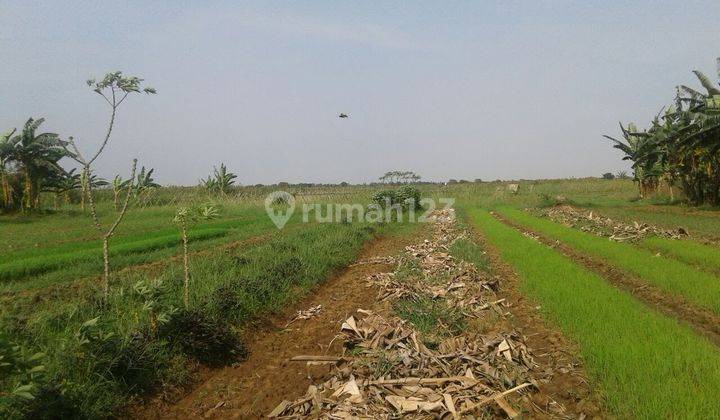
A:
406,197
208,340
409,197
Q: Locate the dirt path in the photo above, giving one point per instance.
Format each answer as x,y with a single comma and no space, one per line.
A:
702,320
568,391
253,388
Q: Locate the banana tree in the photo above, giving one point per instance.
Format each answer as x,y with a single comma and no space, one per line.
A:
220,181
6,150
62,185
37,156
681,147
118,185
144,185
640,147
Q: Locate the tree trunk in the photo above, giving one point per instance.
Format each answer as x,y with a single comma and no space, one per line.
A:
5,185
106,266
186,289
28,195
116,199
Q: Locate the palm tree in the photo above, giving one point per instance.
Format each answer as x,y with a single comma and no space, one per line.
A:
37,157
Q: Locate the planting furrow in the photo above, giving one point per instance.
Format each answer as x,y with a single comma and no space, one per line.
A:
648,365
702,320
671,276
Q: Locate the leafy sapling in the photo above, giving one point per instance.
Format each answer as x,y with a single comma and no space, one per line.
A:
186,217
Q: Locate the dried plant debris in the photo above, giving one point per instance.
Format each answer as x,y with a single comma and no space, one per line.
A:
306,314
588,221
375,260
390,370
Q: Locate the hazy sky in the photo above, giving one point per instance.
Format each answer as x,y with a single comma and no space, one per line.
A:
459,90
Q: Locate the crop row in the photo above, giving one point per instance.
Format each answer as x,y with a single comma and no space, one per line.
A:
648,365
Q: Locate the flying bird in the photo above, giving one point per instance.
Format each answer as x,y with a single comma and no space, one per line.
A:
343,115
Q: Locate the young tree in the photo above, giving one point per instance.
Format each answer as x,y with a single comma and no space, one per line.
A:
86,183
114,88
186,217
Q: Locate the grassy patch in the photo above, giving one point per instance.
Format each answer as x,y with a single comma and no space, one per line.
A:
670,275
703,256
20,268
466,250
649,365
432,317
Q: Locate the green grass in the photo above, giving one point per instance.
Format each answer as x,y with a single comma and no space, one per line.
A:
20,268
670,275
74,260
91,370
649,366
702,256
434,318
27,235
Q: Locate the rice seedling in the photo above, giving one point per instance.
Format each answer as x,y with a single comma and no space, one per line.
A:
648,365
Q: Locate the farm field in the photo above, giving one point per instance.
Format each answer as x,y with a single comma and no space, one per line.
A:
359,210
143,342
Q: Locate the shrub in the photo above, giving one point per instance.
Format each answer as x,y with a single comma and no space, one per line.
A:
208,340
409,197
406,196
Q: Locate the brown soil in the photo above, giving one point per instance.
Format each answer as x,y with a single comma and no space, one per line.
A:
568,386
254,387
702,320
